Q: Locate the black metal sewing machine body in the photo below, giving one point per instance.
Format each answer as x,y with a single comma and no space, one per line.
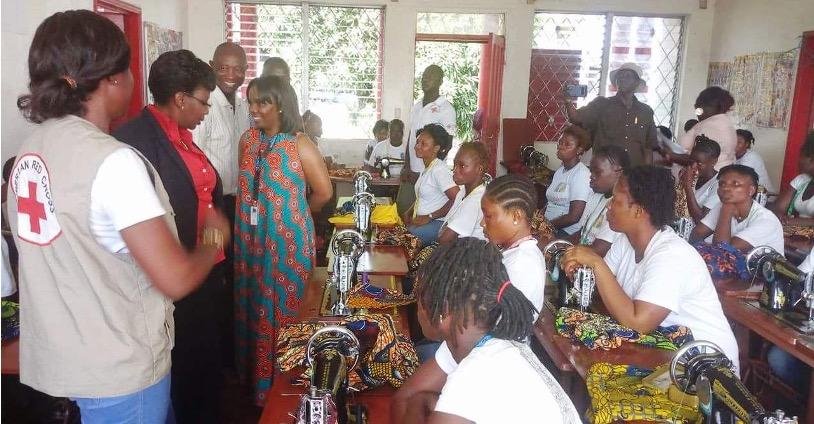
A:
787,291
384,164
574,290
700,368
347,246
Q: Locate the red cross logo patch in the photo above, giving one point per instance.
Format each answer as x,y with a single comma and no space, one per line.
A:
36,217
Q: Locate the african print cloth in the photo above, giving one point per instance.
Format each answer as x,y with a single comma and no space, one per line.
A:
399,236
603,332
798,231
274,258
385,355
541,229
368,296
723,260
11,320
618,394
415,262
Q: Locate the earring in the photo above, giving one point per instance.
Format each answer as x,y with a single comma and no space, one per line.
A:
515,222
115,82
182,107
440,319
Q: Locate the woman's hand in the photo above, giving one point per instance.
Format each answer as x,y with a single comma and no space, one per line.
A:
687,176
421,220
217,220
580,255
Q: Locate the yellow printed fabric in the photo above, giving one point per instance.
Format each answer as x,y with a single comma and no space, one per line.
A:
382,215
618,394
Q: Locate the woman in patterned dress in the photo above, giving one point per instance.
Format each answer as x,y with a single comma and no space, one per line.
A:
274,231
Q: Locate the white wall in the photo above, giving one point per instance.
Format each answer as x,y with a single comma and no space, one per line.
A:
752,26
20,19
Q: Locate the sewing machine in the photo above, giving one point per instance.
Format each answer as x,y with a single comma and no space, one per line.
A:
576,291
532,158
332,353
683,227
347,247
787,291
360,181
700,368
384,164
762,196
363,204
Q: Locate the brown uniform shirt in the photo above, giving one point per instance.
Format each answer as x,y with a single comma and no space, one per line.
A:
611,122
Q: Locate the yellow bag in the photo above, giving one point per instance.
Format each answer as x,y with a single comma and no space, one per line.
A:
382,215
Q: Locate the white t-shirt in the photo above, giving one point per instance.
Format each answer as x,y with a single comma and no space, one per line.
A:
672,275
753,160
808,263
439,112
431,187
707,194
218,135
525,265
466,214
804,208
503,382
594,222
121,195
371,144
760,228
386,150
567,186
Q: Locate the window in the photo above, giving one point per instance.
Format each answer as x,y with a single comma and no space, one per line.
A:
570,48
335,55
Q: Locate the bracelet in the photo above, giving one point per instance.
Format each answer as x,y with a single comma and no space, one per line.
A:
211,236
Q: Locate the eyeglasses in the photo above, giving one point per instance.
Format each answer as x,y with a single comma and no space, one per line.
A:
203,103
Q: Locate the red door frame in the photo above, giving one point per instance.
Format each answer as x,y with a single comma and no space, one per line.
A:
802,108
132,31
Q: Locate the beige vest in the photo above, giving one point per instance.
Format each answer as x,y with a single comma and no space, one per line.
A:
91,323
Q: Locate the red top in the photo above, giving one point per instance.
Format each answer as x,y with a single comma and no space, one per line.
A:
204,176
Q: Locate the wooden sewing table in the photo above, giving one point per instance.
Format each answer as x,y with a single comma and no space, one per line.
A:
282,400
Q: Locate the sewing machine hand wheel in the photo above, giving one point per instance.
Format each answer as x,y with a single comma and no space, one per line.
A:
756,256
337,337
552,252
679,372
384,162
486,178
345,239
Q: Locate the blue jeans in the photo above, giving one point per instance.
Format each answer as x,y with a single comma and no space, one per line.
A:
427,233
791,370
147,406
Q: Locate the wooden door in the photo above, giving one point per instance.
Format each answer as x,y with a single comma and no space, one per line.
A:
490,94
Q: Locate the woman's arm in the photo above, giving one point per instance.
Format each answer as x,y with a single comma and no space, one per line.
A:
601,247
697,212
641,316
442,211
444,418
429,377
171,269
781,205
316,173
723,230
575,210
447,236
700,232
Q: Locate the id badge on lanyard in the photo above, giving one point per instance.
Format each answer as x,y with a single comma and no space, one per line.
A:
253,213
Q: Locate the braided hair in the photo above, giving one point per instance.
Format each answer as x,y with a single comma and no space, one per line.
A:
614,154
440,137
747,135
513,191
462,279
707,146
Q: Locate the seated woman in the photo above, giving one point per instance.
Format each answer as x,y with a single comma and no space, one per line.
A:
508,205
698,179
739,220
747,156
435,190
569,189
463,219
652,277
470,303
795,204
607,164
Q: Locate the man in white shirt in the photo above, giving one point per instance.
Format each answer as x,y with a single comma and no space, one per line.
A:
431,109
390,148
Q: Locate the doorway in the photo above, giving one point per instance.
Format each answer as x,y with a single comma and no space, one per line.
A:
802,108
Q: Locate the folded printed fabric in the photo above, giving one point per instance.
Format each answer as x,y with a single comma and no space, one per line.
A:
369,296
382,215
399,236
11,320
541,229
803,231
385,355
414,263
618,394
723,260
603,332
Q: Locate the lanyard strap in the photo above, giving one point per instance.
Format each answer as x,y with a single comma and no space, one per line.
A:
418,190
486,337
585,228
261,155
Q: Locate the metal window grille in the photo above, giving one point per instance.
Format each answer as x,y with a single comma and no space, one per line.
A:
335,55
571,48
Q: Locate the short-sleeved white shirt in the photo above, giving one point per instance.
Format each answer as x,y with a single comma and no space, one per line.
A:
594,222
503,382
438,112
567,185
808,263
525,265
466,214
760,228
707,194
121,196
804,208
384,149
753,160
431,187
672,275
